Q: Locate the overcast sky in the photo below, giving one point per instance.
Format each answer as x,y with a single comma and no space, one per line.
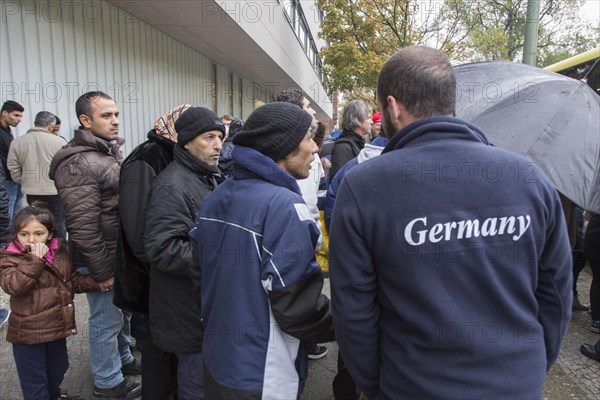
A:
591,10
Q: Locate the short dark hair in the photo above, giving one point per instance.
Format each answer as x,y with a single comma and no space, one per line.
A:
293,96
83,106
37,210
227,117
58,121
44,118
422,79
320,135
10,106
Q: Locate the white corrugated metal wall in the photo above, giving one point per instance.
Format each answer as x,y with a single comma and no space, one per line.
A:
53,51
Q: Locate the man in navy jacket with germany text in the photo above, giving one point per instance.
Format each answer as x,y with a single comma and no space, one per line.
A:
450,265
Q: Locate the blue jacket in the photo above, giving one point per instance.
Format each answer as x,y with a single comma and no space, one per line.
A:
450,268
368,152
261,285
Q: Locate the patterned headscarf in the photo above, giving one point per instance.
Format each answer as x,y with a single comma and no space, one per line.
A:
165,125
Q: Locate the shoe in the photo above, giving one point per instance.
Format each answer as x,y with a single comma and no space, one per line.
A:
315,351
124,390
589,351
578,306
595,326
66,396
4,314
133,368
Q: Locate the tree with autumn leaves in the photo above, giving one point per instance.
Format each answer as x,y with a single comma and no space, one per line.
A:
363,34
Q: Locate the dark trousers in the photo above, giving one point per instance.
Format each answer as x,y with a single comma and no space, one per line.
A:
159,370
57,209
41,368
343,385
579,260
138,327
190,376
595,289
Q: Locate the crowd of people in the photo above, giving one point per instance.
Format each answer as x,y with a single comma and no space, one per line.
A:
208,243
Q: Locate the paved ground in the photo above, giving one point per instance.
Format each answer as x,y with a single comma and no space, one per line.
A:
572,377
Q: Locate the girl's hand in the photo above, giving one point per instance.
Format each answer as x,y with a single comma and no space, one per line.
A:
39,249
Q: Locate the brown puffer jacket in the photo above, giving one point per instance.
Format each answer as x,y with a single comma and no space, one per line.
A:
86,175
41,296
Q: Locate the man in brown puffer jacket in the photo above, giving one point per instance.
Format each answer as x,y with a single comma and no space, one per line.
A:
86,175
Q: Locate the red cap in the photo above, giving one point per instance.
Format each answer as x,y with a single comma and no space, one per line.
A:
376,117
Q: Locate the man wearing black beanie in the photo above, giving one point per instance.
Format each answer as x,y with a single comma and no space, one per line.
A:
177,194
261,285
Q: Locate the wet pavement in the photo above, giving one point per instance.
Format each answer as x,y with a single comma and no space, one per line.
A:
572,377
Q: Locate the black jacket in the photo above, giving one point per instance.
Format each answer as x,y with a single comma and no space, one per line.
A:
6,138
346,147
177,194
132,269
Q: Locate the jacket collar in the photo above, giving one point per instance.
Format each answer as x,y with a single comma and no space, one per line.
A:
87,139
250,163
184,158
351,135
432,129
159,139
39,130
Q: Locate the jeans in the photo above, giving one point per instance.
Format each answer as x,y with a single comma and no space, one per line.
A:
190,376
41,368
15,198
125,333
57,209
109,344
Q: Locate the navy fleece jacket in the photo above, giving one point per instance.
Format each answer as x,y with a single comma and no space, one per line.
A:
450,268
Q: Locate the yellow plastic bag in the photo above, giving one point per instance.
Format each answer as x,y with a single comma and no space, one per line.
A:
323,254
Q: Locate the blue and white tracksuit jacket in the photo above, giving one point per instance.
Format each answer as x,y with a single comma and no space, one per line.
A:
261,285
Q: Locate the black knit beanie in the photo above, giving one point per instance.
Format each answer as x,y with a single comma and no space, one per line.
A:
195,121
275,129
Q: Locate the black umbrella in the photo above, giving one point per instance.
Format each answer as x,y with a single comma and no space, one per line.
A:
552,119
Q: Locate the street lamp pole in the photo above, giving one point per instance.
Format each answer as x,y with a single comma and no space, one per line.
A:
531,32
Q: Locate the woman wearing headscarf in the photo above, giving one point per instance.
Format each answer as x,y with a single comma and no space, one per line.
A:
138,171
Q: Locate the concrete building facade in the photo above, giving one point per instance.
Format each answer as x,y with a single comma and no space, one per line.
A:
151,55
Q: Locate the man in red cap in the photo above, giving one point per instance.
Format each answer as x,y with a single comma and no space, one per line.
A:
376,127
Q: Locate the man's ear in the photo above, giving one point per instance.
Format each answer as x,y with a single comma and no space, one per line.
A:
399,116
394,109
85,121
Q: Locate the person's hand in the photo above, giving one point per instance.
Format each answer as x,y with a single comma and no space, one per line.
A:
107,285
39,249
326,163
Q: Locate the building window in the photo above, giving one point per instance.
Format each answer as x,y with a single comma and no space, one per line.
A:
289,8
295,15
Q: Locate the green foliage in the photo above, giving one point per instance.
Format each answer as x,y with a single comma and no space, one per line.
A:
363,34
